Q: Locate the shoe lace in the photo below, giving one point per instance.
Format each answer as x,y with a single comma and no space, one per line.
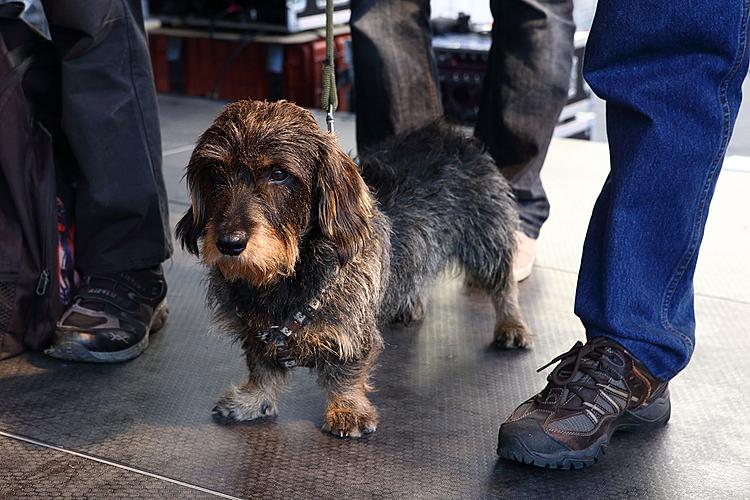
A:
573,362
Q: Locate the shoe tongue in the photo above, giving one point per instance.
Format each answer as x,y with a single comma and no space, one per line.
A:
139,281
578,392
612,360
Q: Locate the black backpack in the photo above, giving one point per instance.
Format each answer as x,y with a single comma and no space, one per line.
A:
29,242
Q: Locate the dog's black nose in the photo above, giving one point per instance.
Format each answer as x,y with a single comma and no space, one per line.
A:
232,243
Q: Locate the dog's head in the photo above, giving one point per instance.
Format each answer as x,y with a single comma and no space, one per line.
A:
261,178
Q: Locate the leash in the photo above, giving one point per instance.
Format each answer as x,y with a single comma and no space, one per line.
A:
329,99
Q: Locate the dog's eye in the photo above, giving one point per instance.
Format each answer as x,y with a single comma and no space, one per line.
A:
278,175
214,176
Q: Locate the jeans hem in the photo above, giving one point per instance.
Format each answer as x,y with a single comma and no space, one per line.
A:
663,375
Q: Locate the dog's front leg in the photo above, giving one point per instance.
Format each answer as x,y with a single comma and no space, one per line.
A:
349,413
257,397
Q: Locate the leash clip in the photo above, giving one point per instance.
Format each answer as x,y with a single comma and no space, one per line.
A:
329,119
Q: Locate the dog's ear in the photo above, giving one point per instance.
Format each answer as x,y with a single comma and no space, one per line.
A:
191,226
344,203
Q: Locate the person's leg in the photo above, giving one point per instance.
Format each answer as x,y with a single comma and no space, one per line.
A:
673,84
524,90
671,76
395,78
110,117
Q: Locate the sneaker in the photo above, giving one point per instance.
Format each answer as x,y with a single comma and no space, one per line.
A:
597,389
523,262
111,317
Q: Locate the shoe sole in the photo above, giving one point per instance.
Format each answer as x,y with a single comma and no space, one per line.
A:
655,415
73,351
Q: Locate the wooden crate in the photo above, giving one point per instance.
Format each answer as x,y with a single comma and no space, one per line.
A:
229,66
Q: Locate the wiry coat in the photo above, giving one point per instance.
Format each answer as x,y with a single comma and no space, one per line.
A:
265,172
447,204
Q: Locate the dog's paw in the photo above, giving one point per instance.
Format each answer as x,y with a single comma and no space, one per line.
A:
350,422
512,336
472,284
238,405
411,315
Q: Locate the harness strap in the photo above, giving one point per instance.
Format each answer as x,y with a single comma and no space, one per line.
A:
280,335
13,69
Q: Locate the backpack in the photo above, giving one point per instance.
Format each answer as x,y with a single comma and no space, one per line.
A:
29,241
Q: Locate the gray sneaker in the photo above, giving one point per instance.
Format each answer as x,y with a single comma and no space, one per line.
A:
111,317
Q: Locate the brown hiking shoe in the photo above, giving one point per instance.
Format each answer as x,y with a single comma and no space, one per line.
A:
598,388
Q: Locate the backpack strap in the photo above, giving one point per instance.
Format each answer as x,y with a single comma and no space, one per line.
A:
17,63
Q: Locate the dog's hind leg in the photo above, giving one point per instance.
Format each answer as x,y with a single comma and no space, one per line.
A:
412,307
254,399
510,329
491,269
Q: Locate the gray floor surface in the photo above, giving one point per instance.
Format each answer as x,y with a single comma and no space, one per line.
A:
143,429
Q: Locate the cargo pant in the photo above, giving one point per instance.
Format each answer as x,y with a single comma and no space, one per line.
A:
110,119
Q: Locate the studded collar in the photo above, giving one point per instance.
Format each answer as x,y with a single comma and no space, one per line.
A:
280,335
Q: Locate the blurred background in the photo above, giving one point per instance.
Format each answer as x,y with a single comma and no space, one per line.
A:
273,50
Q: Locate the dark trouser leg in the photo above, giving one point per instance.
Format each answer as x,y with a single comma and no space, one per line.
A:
672,78
110,117
395,78
524,90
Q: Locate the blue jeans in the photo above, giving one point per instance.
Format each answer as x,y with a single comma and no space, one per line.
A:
671,73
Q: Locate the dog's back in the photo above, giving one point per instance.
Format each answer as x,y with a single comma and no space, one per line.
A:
448,203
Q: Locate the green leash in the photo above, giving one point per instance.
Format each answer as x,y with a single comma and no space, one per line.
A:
329,99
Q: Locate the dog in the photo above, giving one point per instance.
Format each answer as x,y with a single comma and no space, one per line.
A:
308,256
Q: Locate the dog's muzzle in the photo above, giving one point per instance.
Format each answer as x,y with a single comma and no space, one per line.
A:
232,244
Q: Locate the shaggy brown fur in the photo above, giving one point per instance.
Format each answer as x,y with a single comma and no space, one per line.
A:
279,213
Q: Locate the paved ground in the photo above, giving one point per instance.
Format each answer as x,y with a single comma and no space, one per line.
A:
143,429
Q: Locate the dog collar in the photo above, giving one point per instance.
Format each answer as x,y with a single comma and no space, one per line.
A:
280,335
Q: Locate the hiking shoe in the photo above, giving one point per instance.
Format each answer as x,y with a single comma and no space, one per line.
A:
597,389
111,317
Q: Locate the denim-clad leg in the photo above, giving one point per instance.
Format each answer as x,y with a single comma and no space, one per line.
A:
671,73
524,90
